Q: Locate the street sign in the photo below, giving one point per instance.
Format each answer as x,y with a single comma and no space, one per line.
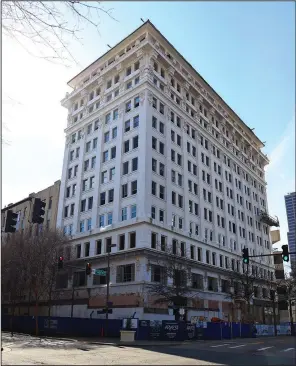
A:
100,272
103,311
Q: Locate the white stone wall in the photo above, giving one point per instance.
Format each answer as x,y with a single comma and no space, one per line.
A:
147,54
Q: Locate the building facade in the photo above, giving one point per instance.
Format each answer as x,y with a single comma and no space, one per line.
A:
23,208
154,157
290,201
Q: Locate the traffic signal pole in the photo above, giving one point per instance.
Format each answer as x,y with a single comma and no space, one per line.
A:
108,289
267,255
72,298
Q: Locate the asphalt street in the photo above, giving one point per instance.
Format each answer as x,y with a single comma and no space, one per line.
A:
27,350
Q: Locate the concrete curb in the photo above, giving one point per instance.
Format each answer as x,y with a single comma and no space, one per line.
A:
136,344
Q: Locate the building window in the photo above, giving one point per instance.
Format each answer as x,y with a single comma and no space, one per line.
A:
197,281
161,192
83,205
153,212
158,274
125,168
134,187
90,203
104,178
86,249
136,121
134,164
112,173
109,218
127,126
102,220
115,114
105,156
106,136
128,106
126,146
102,198
133,211
124,192
121,242
114,132
86,165
124,214
136,142
99,247
125,273
153,188
111,195
78,251
113,152
81,226
132,240
136,102
88,224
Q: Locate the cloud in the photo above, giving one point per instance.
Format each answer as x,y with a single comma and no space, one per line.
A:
280,150
280,176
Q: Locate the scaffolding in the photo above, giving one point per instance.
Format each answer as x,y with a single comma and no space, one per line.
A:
269,220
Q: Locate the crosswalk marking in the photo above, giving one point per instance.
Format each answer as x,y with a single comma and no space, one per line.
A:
263,349
288,349
241,345
220,345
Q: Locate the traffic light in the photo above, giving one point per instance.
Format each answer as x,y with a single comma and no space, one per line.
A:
285,253
38,211
11,220
246,256
88,269
60,262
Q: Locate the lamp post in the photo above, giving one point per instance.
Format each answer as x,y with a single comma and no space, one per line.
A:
109,248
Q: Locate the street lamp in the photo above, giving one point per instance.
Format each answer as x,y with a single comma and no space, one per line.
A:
109,248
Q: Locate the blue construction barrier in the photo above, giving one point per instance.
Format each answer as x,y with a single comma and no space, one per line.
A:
82,327
147,329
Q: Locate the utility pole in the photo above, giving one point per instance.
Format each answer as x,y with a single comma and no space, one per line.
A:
72,299
291,317
274,314
109,248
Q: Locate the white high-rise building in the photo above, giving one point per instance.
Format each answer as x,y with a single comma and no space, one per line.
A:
154,157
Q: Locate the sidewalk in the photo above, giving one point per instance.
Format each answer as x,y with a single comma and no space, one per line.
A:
98,340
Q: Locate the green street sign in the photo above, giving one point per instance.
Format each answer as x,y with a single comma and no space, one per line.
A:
100,272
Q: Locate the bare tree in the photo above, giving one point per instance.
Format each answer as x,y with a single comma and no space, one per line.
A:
30,260
172,279
13,277
242,287
48,27
287,295
54,244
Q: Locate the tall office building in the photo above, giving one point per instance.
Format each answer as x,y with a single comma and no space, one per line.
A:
290,201
155,157
23,208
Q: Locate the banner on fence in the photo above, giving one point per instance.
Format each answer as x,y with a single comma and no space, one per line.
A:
171,329
190,329
155,329
51,324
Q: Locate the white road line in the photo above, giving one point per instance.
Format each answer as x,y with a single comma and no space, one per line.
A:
263,349
288,349
241,345
220,345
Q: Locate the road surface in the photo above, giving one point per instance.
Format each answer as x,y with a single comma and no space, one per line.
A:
27,350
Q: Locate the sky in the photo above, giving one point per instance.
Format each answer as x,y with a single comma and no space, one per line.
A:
244,50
